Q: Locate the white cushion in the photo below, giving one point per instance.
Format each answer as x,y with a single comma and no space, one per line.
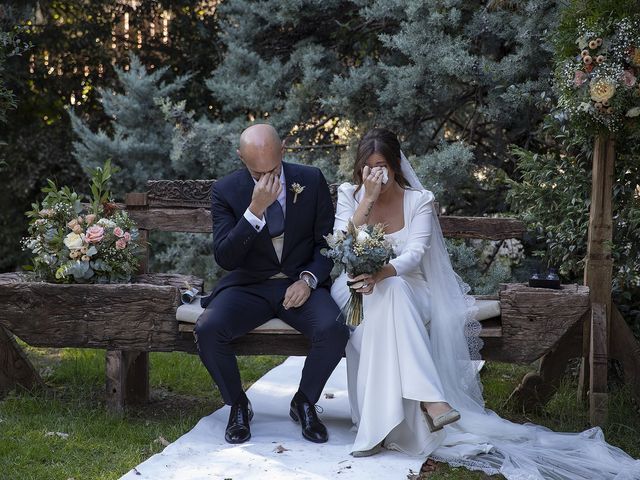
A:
487,309
189,313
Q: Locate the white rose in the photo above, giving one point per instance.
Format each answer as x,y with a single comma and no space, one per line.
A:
73,241
602,90
362,236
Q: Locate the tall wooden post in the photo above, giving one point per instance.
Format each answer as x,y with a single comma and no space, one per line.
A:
597,275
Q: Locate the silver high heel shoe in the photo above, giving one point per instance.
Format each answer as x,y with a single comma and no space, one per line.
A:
440,421
367,453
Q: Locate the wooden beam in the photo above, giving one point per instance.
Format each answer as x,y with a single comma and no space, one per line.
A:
599,264
598,363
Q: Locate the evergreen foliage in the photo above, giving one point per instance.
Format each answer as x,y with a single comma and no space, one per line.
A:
140,141
554,189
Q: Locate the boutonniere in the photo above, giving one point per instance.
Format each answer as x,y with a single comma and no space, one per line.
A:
297,189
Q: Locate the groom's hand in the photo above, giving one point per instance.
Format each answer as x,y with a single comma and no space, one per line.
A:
265,192
295,296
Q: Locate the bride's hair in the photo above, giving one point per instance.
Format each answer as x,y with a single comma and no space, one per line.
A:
383,142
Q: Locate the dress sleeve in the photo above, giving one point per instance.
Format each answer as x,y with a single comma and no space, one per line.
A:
346,206
419,236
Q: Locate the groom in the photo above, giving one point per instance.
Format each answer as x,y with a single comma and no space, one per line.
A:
269,238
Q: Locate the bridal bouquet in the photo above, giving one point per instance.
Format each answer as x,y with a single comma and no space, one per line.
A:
74,242
359,250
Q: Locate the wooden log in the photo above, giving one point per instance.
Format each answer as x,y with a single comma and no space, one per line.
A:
598,364
599,264
137,317
15,366
535,319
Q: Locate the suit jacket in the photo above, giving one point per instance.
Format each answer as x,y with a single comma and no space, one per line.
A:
249,255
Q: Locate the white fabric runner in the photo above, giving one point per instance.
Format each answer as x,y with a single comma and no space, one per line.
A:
202,453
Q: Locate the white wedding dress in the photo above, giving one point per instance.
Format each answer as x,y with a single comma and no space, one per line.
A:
416,342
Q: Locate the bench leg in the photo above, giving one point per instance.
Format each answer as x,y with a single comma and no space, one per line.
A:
127,379
537,388
15,367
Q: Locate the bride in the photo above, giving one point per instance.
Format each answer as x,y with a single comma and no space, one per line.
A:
412,384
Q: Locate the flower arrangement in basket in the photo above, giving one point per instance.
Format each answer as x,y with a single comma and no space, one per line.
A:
72,242
359,250
598,85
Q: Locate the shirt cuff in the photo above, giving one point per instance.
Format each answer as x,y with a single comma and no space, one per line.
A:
315,279
255,222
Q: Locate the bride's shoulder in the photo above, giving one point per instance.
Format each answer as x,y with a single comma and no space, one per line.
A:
420,197
347,189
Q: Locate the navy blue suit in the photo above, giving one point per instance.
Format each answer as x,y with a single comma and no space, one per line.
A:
247,297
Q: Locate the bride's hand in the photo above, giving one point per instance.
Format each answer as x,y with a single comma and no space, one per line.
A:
372,179
367,281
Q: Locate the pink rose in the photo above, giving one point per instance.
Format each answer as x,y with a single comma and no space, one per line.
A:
127,237
72,224
121,244
90,218
580,78
94,234
628,78
118,232
77,229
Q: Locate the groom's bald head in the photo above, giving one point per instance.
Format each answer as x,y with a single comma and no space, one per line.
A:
261,150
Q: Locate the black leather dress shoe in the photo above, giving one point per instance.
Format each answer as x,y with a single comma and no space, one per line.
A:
238,430
305,412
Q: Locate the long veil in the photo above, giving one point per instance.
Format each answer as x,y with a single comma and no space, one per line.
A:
482,440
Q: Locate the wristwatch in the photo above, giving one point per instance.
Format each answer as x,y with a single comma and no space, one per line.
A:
309,279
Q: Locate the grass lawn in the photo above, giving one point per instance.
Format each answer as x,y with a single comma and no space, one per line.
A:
103,446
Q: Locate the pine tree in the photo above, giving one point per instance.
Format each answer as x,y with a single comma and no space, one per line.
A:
446,75
139,137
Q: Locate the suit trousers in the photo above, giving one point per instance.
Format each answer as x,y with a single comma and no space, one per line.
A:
237,310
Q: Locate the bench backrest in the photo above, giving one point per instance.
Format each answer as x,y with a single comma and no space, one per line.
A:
184,206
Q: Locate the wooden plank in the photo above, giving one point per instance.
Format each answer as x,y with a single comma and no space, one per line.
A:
15,366
193,220
481,227
198,220
598,363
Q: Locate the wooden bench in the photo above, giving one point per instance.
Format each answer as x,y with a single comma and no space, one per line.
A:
131,320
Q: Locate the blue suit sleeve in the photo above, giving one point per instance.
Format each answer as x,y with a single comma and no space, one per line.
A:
232,238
